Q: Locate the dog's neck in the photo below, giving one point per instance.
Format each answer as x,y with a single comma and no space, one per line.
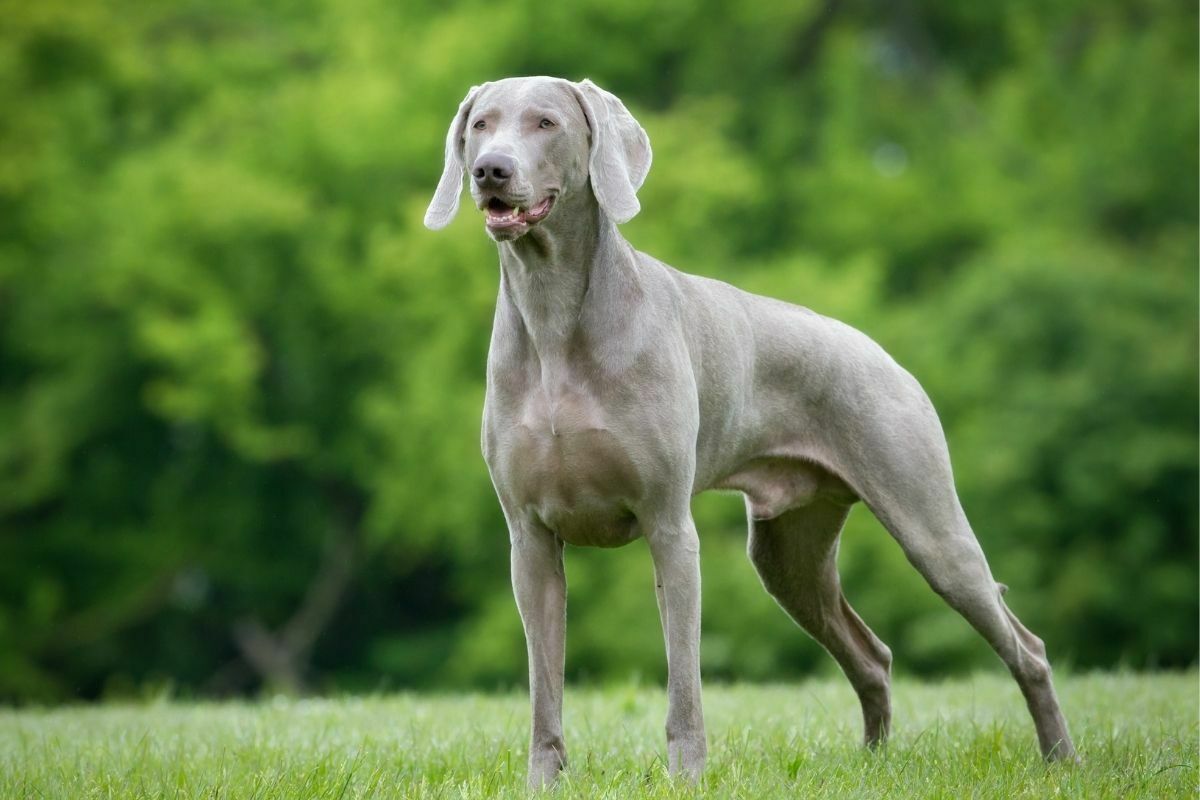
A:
546,273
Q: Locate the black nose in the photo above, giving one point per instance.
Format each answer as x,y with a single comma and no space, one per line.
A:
492,170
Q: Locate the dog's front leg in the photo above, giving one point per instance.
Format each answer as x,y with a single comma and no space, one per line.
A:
676,553
540,586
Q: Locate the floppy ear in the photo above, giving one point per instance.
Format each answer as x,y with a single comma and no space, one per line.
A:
620,155
444,204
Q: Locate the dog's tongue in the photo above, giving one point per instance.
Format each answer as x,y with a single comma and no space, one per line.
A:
500,213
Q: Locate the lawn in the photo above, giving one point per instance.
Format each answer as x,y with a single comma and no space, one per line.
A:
960,738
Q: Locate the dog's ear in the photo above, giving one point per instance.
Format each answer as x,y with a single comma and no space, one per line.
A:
444,204
620,151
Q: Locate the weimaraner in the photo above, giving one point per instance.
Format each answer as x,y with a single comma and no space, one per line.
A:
618,387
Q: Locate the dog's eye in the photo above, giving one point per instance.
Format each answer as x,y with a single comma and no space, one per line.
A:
546,123
480,124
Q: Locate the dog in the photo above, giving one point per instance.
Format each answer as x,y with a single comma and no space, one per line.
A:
618,387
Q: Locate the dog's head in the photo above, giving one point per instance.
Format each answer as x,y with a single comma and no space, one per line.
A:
528,143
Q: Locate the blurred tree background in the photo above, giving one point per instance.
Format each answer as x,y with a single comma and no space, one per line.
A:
240,384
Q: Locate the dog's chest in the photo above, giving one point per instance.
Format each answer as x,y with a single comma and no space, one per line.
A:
562,459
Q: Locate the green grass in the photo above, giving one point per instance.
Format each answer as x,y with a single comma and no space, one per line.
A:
1137,735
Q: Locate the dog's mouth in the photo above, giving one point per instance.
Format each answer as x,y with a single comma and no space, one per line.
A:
502,217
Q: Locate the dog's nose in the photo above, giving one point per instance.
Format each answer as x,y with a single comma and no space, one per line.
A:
492,170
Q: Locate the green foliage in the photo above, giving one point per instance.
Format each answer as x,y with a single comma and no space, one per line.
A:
231,356
958,738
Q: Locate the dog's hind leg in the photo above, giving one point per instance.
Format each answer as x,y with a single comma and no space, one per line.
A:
795,554
934,533
893,454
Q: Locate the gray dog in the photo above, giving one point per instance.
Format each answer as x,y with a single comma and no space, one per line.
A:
617,388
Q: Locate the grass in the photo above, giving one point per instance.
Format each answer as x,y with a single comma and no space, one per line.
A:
963,738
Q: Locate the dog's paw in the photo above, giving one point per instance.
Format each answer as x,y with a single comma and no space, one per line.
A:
685,758
545,766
